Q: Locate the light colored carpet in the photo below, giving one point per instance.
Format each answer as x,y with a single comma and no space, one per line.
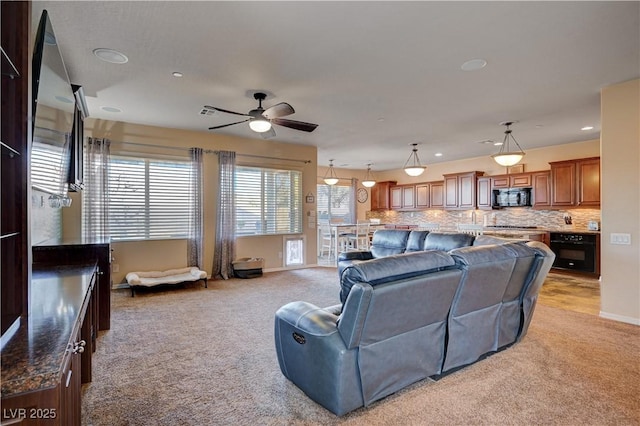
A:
199,356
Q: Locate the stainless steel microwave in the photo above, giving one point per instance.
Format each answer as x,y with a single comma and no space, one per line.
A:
511,197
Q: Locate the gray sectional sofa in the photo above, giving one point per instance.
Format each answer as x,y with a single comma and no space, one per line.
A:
409,316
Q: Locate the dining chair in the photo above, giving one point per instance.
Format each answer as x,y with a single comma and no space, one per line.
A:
326,240
359,240
471,228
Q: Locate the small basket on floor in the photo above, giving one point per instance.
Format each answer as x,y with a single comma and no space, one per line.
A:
248,267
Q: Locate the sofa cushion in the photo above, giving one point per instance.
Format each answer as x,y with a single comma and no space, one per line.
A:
387,242
447,241
415,242
393,268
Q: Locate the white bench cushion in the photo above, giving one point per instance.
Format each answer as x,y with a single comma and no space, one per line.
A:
171,276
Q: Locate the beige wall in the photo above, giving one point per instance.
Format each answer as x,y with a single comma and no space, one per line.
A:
158,255
620,144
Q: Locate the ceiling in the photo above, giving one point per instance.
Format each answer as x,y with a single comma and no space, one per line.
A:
375,76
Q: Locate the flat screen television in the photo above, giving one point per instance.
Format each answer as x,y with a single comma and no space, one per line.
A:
53,113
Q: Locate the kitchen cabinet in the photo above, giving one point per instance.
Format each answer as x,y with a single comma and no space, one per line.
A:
519,180
436,194
541,182
484,193
420,196
575,183
380,195
403,197
460,190
54,350
14,147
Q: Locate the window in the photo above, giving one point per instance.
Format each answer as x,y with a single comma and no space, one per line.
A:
336,202
148,198
268,201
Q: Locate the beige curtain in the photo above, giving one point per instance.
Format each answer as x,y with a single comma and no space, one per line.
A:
195,241
95,200
225,245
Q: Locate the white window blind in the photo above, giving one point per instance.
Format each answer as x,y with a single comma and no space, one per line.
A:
268,201
148,198
48,171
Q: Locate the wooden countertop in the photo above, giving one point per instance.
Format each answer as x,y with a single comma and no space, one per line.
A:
32,358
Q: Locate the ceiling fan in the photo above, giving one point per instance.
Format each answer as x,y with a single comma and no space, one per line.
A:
260,119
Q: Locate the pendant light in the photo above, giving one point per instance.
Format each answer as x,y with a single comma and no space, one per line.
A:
368,180
412,167
330,177
506,157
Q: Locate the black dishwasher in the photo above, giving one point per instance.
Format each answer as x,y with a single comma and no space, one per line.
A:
574,251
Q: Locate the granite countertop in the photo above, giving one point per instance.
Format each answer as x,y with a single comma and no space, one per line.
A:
68,242
32,358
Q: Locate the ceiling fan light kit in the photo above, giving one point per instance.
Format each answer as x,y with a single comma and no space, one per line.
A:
261,120
368,180
330,177
505,157
413,167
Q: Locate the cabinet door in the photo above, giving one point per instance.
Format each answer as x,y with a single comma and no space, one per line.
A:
451,192
436,194
589,183
396,197
541,189
467,191
484,193
500,181
408,197
380,195
520,180
563,184
422,196
70,387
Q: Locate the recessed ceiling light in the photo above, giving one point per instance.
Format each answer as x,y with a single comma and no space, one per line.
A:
587,128
438,154
473,64
177,74
111,56
110,109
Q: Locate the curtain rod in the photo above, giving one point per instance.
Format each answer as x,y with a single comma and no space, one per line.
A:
266,157
210,151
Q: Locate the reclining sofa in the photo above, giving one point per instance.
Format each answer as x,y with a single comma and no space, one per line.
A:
407,317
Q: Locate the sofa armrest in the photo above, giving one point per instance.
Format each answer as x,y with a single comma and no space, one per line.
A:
355,255
308,318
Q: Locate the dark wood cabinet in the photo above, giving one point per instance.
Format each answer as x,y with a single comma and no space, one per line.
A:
422,196
403,197
484,193
541,182
436,194
460,190
380,195
518,180
14,137
575,183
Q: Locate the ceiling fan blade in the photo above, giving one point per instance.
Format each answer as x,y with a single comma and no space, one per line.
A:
226,125
268,134
278,110
226,110
298,125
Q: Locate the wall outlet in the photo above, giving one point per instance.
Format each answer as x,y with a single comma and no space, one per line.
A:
115,267
624,239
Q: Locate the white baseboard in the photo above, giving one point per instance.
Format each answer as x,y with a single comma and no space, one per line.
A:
620,318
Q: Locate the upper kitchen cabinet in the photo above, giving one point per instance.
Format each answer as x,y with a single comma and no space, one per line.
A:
575,183
541,182
403,197
484,193
460,190
519,180
380,195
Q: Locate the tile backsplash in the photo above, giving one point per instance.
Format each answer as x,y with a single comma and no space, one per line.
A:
513,216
